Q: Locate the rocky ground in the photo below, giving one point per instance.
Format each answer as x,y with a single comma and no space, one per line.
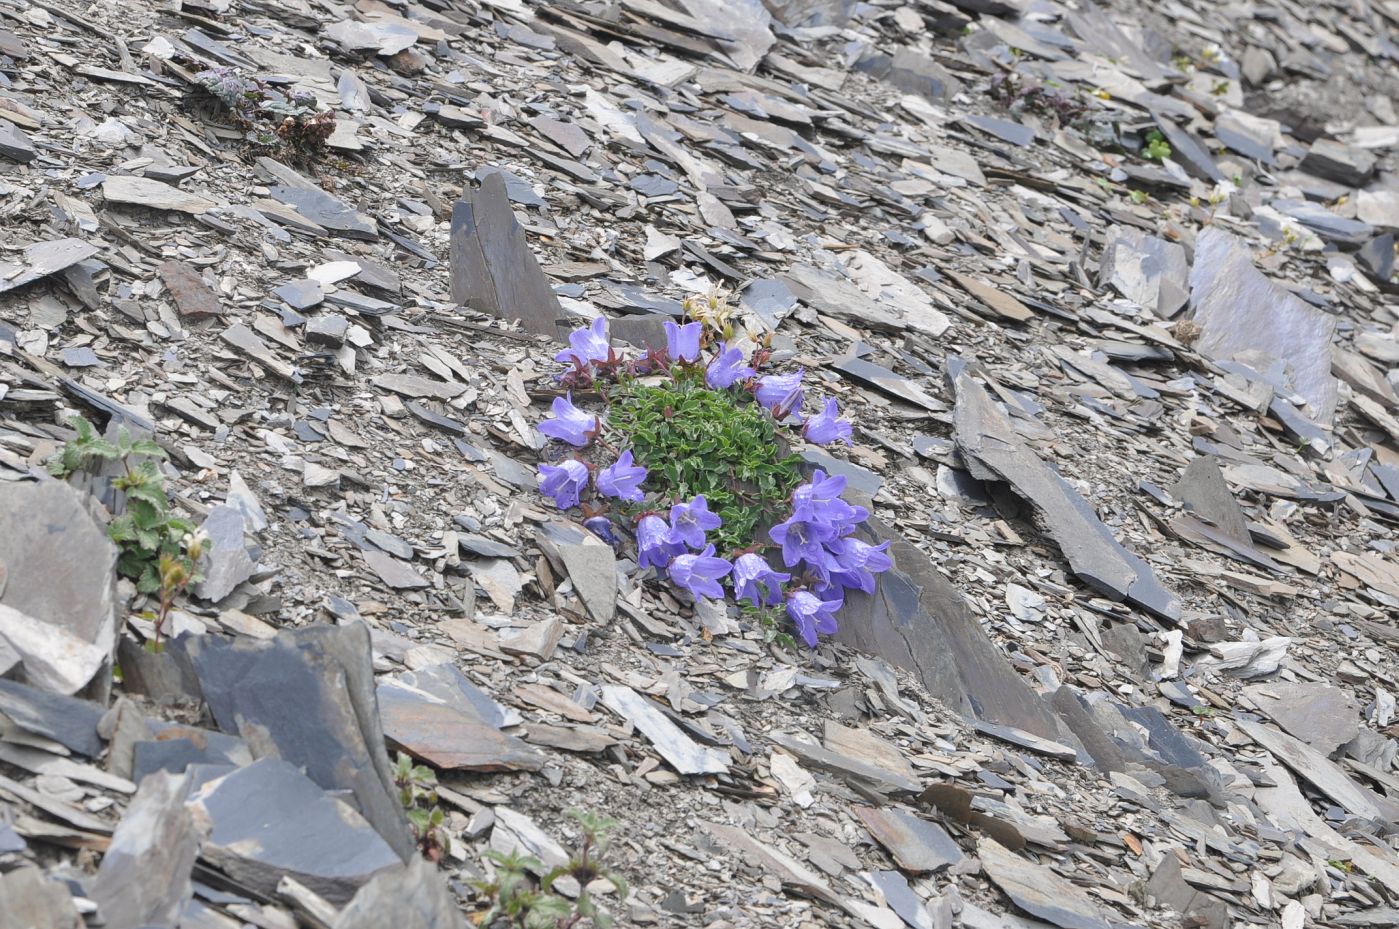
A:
1107,292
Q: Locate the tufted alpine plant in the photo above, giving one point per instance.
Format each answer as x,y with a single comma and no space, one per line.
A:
682,451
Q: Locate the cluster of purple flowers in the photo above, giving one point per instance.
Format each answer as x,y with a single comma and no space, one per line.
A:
817,541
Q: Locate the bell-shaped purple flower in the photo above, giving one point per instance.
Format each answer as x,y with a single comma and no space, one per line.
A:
587,345
781,394
601,527
819,501
754,578
802,540
812,615
726,369
654,547
690,521
682,343
699,574
826,427
570,424
622,479
563,482
858,562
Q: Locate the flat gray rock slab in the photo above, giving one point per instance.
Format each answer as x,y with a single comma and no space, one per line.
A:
46,528
413,897
68,721
144,879
449,734
1322,715
492,267
269,821
329,212
919,846
42,259
994,451
155,195
1039,891
15,144
683,754
1203,490
1240,310
307,696
916,620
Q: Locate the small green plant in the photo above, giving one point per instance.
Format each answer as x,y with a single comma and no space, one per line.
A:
1138,196
698,441
417,792
517,903
773,623
146,532
1157,148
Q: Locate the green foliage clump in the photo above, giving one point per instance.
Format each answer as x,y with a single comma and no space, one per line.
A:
1157,148
518,903
693,440
146,532
417,791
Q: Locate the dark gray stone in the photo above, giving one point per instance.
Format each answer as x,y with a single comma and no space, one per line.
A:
328,330
917,621
413,897
226,563
1188,151
911,72
886,381
307,696
269,820
15,144
919,846
993,450
1004,129
493,269
1250,138
1324,223
1151,272
1202,489
1039,891
1378,255
144,879
1335,161
771,299
302,294
326,211
437,720
69,721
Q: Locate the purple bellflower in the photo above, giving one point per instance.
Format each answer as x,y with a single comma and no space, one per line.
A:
812,615
690,521
825,427
699,574
654,548
754,579
585,345
683,342
622,479
803,540
563,482
601,527
857,563
819,501
781,394
726,369
570,424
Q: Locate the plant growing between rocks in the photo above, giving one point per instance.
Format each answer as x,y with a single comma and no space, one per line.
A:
152,542
417,792
700,423
275,121
518,903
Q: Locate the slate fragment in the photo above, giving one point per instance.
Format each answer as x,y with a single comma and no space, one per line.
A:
1202,489
1322,715
918,621
916,844
1147,270
33,900
993,451
1039,891
492,267
307,696
15,144
413,897
64,633
675,747
227,563
145,874
69,721
42,259
432,716
1240,310
1336,161
268,820
591,565
143,191
192,296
